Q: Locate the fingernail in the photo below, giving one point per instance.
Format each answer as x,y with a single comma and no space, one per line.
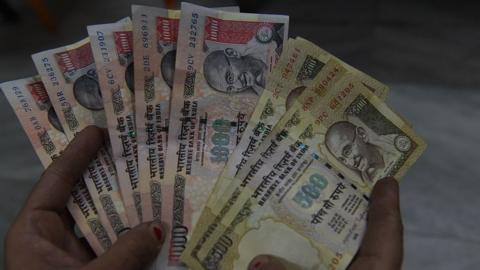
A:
124,231
259,262
257,265
158,231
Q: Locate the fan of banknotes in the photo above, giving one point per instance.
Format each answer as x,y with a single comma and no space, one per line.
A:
242,140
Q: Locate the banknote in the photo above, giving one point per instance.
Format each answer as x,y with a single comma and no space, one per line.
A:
319,216
310,97
299,67
383,143
71,82
350,130
222,62
155,33
32,106
112,46
300,63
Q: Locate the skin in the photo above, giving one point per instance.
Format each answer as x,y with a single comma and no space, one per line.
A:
350,145
243,72
42,237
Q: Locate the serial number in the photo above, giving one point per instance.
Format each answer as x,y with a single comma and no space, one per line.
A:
192,38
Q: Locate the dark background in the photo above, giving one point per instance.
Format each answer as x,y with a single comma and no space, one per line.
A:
428,52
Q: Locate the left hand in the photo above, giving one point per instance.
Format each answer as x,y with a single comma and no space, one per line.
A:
42,235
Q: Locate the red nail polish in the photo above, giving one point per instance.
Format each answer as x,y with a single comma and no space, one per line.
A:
257,265
158,233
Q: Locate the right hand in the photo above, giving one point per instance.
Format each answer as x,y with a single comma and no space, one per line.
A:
382,246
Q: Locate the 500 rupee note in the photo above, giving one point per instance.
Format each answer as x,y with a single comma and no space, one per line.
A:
327,132
299,65
221,66
71,82
32,106
112,46
362,137
320,216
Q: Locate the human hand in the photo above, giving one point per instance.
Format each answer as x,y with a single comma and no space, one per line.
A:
382,246
42,235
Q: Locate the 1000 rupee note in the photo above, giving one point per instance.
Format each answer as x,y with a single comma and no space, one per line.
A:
35,113
212,228
221,65
349,122
71,82
155,33
298,66
112,46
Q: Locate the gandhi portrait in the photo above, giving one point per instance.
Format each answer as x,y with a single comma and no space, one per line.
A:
87,91
230,72
167,67
53,119
129,79
360,149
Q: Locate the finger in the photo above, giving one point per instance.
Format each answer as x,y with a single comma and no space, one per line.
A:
53,189
134,250
382,245
74,245
67,219
268,262
265,262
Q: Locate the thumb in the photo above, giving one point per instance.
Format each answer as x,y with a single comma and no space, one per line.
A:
268,262
136,249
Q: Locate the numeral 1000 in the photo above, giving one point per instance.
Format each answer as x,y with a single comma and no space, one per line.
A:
221,140
310,191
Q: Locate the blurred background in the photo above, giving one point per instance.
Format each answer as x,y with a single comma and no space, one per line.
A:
428,52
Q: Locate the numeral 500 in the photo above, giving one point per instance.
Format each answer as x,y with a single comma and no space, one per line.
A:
310,191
